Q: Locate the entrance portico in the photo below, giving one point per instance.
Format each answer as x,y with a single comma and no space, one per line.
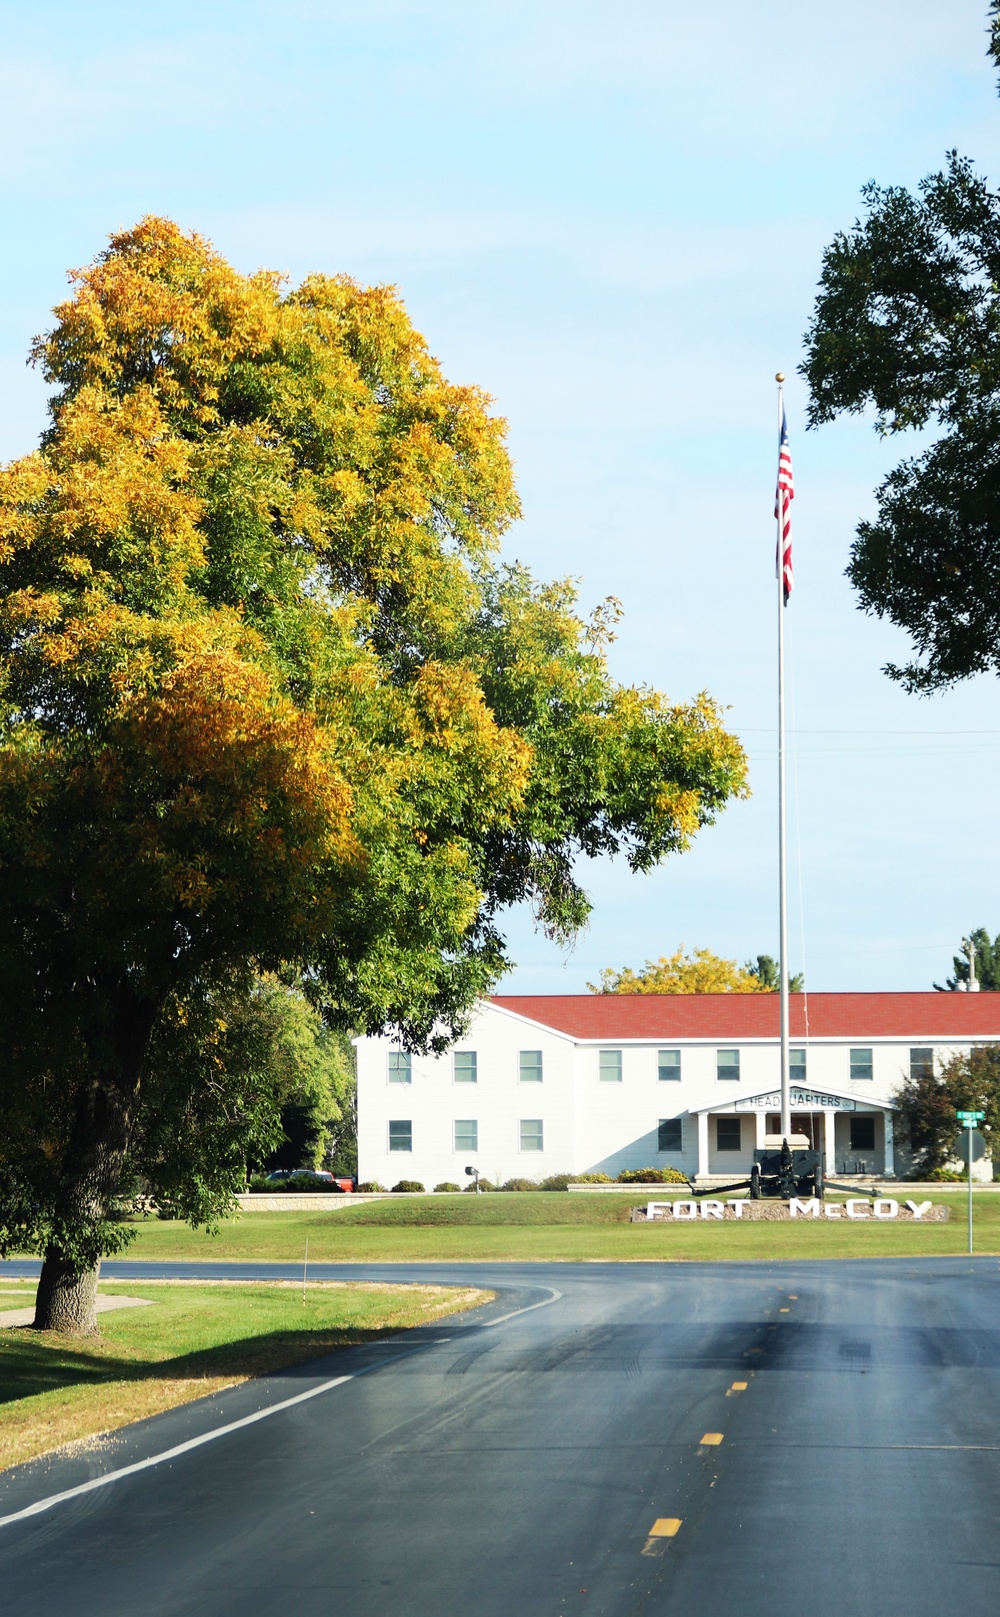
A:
854,1133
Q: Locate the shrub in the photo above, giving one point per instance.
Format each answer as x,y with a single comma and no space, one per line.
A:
446,1184
298,1182
484,1184
371,1187
561,1181
652,1176
947,1176
520,1184
412,1185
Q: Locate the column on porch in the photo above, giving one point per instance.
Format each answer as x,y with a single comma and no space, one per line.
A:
830,1140
890,1164
760,1126
702,1143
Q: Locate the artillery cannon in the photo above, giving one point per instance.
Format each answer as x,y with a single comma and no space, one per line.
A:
787,1166
787,1170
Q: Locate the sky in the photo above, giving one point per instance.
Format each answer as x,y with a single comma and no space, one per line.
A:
611,216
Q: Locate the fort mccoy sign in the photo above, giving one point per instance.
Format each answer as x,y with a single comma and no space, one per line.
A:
859,1209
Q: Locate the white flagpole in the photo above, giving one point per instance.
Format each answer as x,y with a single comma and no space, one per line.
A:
786,1109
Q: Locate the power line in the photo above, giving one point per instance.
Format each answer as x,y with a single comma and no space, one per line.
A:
770,730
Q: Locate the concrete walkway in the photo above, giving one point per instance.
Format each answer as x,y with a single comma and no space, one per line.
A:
24,1316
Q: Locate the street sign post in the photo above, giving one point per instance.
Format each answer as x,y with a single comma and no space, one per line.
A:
970,1119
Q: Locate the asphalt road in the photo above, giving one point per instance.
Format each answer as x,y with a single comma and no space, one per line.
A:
515,1467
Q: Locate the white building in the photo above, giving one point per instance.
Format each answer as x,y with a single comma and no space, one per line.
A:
594,1083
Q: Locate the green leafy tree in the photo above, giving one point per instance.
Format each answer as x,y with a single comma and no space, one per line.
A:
341,1154
908,321
270,706
927,1106
768,973
987,957
313,1074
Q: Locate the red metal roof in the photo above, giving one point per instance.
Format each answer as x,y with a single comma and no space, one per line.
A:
909,1017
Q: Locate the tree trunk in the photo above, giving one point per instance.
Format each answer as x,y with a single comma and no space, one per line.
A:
67,1296
94,1173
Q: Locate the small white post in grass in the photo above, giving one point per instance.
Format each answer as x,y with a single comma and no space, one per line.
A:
305,1265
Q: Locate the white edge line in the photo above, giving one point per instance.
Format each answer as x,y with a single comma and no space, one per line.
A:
169,1454
102,1481
553,1297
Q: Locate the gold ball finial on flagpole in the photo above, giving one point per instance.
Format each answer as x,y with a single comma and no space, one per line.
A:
779,376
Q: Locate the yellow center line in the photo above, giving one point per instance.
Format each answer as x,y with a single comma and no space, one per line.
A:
660,1534
712,1439
784,1310
737,1386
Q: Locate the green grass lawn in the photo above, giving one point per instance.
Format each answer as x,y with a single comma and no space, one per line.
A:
195,1339
550,1226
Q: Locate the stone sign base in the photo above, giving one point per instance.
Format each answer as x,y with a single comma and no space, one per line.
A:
859,1209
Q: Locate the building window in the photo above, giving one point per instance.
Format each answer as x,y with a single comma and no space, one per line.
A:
609,1066
466,1134
668,1064
729,1133
727,1064
861,1064
669,1135
465,1066
862,1133
921,1063
531,1134
797,1066
400,1134
400,1067
529,1066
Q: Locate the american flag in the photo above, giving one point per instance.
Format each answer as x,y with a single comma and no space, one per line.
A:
783,509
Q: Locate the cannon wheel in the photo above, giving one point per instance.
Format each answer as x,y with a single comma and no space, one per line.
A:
820,1185
755,1183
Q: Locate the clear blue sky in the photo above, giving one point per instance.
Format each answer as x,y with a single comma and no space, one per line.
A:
611,216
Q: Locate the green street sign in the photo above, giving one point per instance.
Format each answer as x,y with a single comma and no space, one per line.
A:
970,1117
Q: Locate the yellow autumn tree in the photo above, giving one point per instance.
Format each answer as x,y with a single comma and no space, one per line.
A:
700,972
270,703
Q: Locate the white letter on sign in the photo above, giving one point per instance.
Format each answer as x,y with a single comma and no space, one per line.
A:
857,1201
737,1207
802,1207
652,1208
685,1209
918,1209
885,1208
712,1210
831,1209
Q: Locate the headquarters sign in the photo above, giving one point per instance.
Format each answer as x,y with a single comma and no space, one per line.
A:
810,1099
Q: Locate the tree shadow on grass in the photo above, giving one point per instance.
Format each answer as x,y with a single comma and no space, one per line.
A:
33,1364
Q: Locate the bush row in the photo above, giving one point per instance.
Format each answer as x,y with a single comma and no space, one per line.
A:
297,1183
556,1181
